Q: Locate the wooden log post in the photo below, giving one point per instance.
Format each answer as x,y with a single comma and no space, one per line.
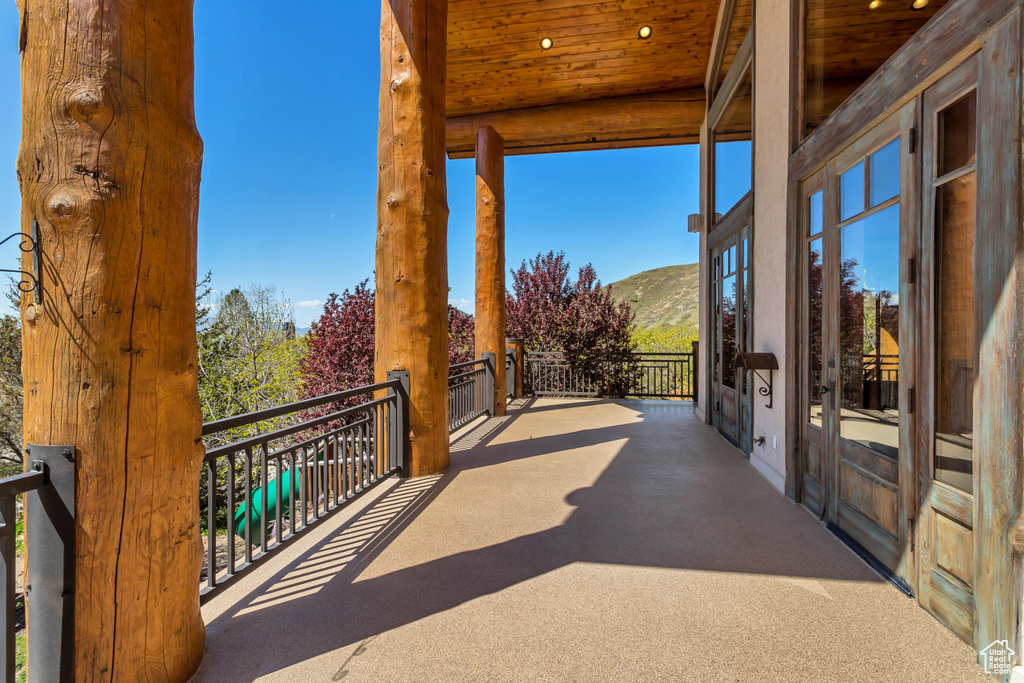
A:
490,256
412,222
109,167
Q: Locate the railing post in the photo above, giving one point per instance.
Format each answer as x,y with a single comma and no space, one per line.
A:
398,441
50,564
695,369
490,360
519,349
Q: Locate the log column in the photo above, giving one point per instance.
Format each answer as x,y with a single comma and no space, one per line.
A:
109,167
490,255
412,222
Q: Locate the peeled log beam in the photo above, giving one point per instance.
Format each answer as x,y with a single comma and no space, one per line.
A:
109,166
668,118
490,256
412,222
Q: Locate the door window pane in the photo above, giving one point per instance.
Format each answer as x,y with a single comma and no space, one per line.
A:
733,151
851,192
815,210
884,170
729,332
815,298
957,134
741,345
955,357
869,331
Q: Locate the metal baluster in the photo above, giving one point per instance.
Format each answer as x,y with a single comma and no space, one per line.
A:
377,454
291,483
279,477
263,496
303,490
211,523
336,469
365,456
316,483
231,514
248,504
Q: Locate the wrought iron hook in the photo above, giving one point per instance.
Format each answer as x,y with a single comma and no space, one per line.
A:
29,243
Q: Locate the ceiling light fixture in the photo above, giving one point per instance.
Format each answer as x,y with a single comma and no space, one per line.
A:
545,43
874,4
919,4
645,32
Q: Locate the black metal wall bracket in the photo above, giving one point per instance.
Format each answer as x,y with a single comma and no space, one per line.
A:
29,243
760,361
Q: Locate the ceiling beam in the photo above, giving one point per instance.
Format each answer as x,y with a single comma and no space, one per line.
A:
667,118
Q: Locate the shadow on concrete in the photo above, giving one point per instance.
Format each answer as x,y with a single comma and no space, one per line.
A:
675,496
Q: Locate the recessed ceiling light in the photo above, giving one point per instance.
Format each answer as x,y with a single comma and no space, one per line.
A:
874,4
545,43
645,32
919,4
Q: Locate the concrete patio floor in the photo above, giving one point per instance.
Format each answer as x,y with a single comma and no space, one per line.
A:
576,540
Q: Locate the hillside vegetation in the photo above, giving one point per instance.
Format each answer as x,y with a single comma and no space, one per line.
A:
665,301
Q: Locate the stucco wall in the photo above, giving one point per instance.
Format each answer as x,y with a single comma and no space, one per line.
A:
771,156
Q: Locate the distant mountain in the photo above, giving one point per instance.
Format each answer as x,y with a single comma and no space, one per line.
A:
663,296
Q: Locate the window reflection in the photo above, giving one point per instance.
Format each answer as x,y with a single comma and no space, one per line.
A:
845,42
733,151
869,331
957,145
955,355
729,331
884,173
851,192
815,213
815,298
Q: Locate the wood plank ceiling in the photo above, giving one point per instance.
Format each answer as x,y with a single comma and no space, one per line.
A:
495,63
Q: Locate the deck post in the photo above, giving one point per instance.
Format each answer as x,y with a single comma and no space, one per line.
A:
519,348
490,255
490,385
412,222
695,371
109,171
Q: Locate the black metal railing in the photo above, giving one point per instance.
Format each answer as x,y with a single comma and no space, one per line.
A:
643,375
267,486
467,392
10,489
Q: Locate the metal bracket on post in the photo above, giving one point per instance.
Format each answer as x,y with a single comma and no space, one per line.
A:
50,565
490,361
398,450
29,243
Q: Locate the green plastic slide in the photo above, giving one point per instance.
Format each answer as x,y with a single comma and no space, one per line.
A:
289,492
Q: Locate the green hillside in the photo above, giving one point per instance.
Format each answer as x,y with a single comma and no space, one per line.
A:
662,297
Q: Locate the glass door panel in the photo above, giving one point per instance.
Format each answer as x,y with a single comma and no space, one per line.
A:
946,530
869,331
730,291
813,361
857,307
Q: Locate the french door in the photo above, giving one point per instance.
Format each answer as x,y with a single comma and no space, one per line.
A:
859,345
890,345
730,291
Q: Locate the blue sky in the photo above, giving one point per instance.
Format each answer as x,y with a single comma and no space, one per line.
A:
288,113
